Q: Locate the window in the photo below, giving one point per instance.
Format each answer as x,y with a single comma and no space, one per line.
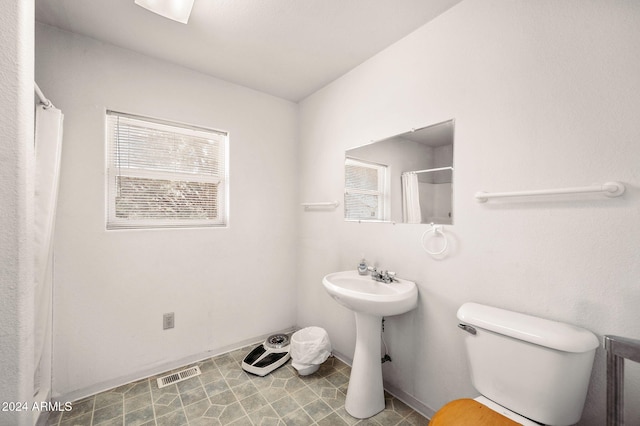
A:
162,174
365,195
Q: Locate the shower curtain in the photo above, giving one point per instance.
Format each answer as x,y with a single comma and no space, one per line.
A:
411,212
48,146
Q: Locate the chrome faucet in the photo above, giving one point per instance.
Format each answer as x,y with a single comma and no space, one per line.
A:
382,276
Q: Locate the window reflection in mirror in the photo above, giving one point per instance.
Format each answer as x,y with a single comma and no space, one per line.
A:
407,178
366,190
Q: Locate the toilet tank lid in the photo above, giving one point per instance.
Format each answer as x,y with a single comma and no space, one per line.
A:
540,331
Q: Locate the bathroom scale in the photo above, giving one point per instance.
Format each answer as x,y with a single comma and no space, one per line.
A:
265,358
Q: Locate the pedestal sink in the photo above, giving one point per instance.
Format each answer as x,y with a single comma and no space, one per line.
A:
370,301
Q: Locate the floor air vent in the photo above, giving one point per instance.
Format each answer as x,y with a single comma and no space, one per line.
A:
178,377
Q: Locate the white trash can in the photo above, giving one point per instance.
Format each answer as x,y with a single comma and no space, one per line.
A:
310,347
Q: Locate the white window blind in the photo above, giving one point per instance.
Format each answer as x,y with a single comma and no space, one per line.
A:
365,190
162,174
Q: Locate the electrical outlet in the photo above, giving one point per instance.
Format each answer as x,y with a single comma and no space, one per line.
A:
168,320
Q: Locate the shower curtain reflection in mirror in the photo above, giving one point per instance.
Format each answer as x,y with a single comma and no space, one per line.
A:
411,212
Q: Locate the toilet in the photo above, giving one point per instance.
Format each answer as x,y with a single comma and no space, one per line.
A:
528,370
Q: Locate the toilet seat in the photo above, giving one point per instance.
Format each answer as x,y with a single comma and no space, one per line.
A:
507,413
471,412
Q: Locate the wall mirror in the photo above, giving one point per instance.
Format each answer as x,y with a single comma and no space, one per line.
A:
406,178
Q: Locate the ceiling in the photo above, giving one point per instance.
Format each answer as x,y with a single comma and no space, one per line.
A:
287,48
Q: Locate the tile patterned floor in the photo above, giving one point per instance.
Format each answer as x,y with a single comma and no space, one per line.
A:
225,395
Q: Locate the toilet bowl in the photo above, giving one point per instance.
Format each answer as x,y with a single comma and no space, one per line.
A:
529,371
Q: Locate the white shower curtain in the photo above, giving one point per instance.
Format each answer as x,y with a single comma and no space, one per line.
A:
48,146
411,212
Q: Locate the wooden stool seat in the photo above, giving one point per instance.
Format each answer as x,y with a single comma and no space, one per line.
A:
469,412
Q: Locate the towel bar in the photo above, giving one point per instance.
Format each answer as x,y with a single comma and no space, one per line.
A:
328,204
610,189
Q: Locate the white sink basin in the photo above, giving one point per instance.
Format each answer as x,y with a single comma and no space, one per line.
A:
362,294
369,300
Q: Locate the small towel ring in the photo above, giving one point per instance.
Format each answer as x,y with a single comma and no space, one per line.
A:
436,229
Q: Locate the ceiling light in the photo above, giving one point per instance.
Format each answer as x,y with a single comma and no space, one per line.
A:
178,10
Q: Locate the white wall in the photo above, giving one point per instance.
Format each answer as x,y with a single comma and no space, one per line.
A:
111,288
545,95
16,208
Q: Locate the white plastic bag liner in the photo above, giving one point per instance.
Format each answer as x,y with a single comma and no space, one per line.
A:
309,346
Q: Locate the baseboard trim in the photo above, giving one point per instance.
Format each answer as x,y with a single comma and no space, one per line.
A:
161,368
410,400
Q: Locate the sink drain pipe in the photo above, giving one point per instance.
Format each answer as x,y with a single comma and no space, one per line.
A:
386,356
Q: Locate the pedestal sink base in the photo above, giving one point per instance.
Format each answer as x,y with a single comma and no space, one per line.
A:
370,300
365,395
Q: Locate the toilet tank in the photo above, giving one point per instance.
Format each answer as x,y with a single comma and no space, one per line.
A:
535,367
